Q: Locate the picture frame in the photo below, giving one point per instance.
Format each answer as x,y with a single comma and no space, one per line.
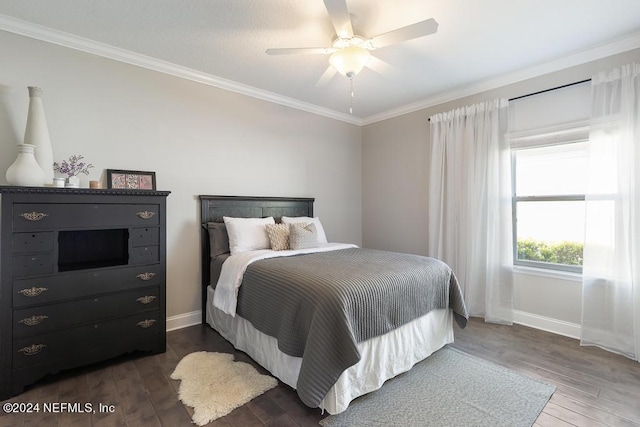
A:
130,180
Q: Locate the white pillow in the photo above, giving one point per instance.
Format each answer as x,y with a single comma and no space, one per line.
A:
247,234
322,237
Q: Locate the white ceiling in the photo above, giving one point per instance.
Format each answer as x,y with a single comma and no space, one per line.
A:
479,43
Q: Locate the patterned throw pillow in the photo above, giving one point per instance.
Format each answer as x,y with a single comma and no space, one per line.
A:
322,237
278,236
302,236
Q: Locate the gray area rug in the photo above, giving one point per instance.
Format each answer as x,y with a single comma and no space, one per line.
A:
450,388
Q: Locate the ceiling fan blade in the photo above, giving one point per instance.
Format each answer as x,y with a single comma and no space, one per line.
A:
340,18
326,76
381,67
413,31
298,50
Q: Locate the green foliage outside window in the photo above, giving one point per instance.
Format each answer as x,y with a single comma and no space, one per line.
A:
568,253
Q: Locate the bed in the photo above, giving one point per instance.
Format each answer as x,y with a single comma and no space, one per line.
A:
332,333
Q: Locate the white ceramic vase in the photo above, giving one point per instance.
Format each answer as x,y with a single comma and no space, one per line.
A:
37,133
25,171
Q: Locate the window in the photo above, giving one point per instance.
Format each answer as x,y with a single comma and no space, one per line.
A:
549,134
549,183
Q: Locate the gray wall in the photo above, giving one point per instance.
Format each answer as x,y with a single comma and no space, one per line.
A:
395,158
198,139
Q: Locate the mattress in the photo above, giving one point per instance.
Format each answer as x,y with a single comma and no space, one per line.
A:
383,357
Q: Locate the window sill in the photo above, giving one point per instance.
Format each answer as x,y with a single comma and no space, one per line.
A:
544,272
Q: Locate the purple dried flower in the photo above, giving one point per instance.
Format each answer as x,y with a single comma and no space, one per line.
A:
73,167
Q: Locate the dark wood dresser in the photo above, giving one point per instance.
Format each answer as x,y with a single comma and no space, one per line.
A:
82,279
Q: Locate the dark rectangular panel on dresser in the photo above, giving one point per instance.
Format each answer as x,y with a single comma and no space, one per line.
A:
82,279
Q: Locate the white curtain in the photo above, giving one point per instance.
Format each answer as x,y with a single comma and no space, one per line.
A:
470,224
611,271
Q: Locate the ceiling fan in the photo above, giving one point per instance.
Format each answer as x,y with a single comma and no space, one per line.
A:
350,52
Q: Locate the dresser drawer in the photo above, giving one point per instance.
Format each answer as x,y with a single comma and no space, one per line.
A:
144,255
43,216
145,236
27,265
71,342
29,292
31,242
46,318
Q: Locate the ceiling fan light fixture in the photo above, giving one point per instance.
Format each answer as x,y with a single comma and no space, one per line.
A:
349,61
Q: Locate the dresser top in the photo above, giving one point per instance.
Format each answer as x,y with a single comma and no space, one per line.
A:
85,191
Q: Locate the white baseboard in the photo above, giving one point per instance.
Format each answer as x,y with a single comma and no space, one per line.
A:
184,320
560,327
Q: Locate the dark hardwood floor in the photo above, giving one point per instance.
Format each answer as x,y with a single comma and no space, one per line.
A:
594,387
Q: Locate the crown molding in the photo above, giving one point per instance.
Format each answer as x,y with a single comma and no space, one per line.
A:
29,29
598,52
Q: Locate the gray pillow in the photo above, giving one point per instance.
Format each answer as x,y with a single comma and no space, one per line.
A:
303,236
218,238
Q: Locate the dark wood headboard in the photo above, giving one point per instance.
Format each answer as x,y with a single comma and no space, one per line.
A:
213,208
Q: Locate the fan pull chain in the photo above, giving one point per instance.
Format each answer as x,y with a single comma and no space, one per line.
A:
351,95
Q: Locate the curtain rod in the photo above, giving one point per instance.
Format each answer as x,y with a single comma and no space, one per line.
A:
549,90
543,91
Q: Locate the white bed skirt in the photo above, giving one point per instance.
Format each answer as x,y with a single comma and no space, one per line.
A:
383,357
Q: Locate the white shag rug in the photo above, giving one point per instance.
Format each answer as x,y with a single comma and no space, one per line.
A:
214,385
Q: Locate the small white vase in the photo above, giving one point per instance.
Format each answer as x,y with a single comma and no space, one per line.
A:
37,133
25,171
73,182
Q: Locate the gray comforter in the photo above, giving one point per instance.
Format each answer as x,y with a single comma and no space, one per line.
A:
320,306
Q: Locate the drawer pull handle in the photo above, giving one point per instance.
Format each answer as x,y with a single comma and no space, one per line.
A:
145,214
33,320
146,323
146,299
32,292
146,276
33,216
32,350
